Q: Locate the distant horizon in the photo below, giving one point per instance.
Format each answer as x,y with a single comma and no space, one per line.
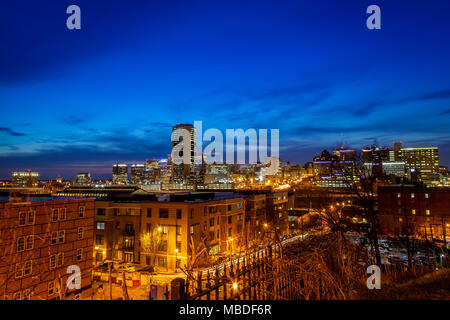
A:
107,170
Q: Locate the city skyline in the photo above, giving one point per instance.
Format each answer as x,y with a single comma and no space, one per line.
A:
80,101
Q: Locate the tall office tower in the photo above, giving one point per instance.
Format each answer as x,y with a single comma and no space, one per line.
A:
120,174
152,164
397,148
183,167
83,179
422,162
137,173
25,179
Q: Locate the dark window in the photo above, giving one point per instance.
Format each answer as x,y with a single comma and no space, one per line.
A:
229,219
101,211
129,228
164,213
149,212
229,207
178,213
211,222
99,239
192,213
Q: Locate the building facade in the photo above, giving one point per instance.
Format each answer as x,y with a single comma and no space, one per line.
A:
39,241
422,212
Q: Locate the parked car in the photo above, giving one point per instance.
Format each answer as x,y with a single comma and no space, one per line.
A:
126,268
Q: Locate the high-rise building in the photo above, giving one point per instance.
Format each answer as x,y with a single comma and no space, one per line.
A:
120,174
185,171
422,162
25,179
83,179
137,173
152,163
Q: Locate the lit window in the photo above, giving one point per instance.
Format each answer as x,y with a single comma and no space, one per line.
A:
100,226
17,295
412,195
413,211
428,212
426,195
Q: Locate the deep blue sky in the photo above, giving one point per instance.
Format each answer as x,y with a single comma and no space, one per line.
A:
77,101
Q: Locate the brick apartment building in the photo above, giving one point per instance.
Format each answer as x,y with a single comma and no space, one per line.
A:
425,211
38,241
156,230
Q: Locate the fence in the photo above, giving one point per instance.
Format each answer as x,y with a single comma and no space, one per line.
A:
259,276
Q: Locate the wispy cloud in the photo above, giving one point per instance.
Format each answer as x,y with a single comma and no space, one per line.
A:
11,132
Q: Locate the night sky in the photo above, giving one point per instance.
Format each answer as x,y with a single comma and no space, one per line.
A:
79,101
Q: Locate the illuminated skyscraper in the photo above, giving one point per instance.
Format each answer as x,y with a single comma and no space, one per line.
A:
25,179
137,173
120,174
183,168
422,162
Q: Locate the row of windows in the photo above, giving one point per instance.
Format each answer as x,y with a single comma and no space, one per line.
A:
413,211
399,195
24,269
25,243
22,295
59,214
164,212
27,218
